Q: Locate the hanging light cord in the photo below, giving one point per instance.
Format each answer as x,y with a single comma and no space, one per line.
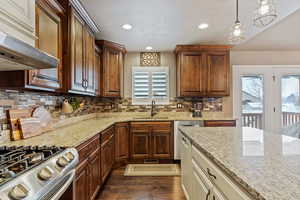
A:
237,12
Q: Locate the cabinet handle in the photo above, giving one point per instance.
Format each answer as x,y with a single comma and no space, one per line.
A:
207,195
210,174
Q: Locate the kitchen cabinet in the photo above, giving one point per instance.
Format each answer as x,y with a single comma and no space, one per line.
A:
81,75
202,70
97,70
186,166
204,180
121,142
49,24
18,20
111,74
192,74
49,20
81,182
219,123
151,140
201,186
94,173
88,173
107,152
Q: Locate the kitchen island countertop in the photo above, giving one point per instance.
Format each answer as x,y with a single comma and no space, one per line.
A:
266,165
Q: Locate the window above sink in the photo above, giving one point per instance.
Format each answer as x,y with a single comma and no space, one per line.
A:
150,83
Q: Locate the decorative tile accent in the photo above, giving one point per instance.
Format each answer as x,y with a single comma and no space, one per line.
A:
150,59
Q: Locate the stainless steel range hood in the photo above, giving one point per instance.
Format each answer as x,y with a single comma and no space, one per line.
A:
18,55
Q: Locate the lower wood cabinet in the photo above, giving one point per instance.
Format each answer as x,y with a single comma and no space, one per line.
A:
88,173
81,182
94,173
107,152
151,140
121,142
219,123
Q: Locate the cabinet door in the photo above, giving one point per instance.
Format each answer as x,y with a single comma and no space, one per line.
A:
122,141
89,82
112,72
49,39
94,173
161,145
218,73
77,53
97,75
217,195
192,74
186,167
81,182
201,186
140,144
107,158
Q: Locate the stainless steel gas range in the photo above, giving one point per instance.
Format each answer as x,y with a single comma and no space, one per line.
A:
36,173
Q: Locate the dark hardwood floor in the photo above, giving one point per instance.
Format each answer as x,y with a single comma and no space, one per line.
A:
119,187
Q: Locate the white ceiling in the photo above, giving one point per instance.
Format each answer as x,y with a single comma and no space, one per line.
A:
164,23
284,35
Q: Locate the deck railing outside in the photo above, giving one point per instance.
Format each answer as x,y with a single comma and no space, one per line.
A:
254,120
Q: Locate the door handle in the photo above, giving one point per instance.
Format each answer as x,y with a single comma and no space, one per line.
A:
210,174
207,195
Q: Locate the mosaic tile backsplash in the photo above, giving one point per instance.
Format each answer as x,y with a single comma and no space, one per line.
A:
10,99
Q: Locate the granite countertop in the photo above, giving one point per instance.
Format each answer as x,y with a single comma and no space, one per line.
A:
74,131
265,164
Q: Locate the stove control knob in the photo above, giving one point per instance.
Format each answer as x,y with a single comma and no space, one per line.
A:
70,156
45,174
18,192
62,161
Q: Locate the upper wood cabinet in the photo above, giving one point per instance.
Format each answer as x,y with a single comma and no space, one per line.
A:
203,70
49,20
81,74
49,16
111,71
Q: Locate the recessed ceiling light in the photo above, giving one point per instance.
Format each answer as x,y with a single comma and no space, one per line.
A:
127,26
149,48
203,26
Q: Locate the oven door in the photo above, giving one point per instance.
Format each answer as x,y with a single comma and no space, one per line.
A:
56,192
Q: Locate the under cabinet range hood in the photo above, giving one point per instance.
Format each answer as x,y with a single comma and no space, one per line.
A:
18,55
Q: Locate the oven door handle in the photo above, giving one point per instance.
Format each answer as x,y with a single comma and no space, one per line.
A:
62,190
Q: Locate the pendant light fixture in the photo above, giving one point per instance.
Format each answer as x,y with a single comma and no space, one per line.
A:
265,14
236,34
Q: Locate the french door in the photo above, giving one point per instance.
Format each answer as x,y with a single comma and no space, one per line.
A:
266,97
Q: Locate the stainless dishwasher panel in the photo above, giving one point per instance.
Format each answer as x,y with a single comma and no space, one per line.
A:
193,123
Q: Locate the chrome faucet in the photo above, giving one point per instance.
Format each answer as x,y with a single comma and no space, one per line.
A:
152,108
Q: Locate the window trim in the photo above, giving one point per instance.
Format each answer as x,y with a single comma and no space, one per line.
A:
166,100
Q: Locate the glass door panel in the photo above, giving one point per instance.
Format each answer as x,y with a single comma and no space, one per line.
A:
290,100
252,101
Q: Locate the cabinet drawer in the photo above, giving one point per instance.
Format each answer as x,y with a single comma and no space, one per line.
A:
85,149
219,123
218,178
107,134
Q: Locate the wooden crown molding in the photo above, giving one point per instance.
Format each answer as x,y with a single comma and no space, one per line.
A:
112,45
84,15
187,48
